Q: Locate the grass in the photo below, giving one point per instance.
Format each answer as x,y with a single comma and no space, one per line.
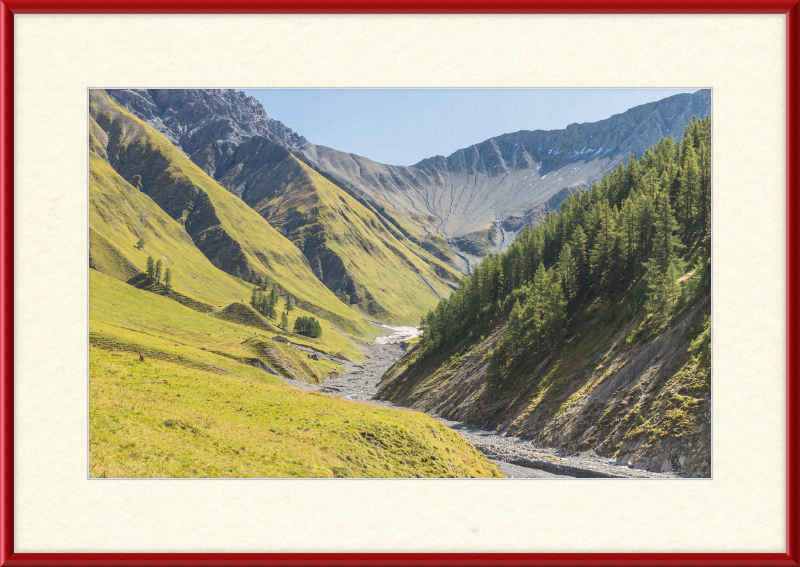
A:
135,315
197,407
160,419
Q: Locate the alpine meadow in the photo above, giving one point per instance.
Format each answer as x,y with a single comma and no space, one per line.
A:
535,305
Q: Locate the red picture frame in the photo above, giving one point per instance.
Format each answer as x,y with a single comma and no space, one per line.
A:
790,8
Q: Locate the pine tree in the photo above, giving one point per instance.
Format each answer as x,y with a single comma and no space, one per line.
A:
254,298
273,302
158,270
284,321
140,243
555,311
168,279
151,268
664,239
689,187
579,245
512,335
289,305
568,271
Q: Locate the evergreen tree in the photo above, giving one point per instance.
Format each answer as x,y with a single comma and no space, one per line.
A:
579,251
158,271
289,305
237,272
168,279
151,268
664,239
284,321
273,302
689,189
140,243
513,335
568,271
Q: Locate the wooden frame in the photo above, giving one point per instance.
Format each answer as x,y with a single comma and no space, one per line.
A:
791,8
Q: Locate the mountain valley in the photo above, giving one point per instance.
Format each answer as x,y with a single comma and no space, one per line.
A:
254,297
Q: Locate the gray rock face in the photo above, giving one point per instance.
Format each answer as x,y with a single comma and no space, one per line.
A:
194,118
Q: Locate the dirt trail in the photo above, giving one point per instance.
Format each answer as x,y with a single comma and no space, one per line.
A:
516,457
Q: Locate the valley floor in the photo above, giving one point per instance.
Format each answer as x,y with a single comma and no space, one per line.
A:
516,457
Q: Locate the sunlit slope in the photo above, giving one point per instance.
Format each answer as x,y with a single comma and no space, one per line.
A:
146,320
119,215
224,229
156,419
352,251
201,404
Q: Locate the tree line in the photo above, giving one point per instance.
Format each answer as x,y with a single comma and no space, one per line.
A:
267,305
636,228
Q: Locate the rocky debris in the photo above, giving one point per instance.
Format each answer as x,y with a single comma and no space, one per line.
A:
505,448
516,457
283,340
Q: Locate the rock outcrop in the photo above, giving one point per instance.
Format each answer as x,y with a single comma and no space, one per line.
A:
193,118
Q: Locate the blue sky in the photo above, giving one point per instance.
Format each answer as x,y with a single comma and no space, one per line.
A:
404,126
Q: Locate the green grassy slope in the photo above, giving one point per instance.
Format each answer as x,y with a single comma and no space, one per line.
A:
200,405
353,252
120,214
224,229
159,419
121,313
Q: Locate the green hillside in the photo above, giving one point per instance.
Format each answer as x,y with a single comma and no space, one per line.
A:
224,229
351,247
352,251
120,215
201,405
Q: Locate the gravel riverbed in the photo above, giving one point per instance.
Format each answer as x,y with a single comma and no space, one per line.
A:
516,457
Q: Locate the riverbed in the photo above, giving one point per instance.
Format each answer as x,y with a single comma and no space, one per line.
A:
516,457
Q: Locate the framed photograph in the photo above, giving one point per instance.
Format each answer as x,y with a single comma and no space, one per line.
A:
240,244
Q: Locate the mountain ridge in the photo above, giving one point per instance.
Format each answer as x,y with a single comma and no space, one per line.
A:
484,187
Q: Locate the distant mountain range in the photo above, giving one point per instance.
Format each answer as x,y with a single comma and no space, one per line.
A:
458,208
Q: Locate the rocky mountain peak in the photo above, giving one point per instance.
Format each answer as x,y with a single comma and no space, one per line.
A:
194,118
